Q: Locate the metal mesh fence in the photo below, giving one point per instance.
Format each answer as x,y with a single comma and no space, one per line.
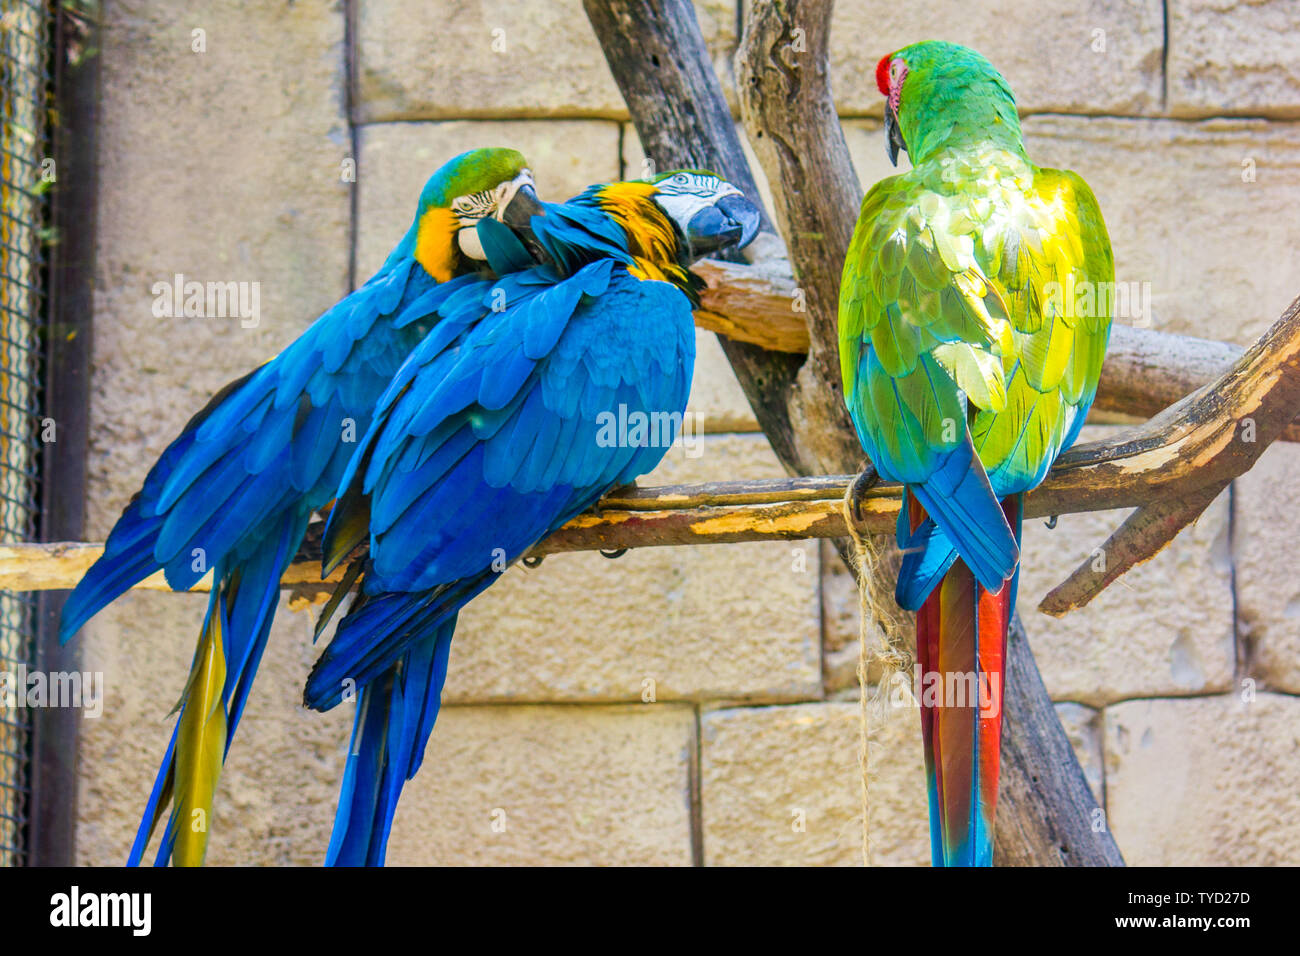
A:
24,89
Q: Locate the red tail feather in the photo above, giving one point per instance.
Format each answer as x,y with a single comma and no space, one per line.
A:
961,633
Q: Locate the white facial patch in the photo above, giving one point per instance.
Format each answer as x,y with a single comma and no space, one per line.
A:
467,239
506,191
682,195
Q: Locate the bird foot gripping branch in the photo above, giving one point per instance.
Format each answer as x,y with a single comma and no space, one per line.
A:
964,383
855,497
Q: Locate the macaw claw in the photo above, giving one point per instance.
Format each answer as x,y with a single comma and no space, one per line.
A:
858,491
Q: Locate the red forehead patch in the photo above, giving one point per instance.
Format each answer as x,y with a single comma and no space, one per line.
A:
882,74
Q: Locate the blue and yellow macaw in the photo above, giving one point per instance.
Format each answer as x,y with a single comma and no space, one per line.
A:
494,434
234,492
974,314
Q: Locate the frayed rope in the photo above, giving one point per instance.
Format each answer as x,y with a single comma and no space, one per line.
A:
875,646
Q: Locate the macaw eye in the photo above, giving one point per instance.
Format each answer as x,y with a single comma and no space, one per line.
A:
681,179
475,205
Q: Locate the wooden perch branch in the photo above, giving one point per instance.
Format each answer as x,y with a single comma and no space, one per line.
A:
1145,372
1205,441
1170,468
714,513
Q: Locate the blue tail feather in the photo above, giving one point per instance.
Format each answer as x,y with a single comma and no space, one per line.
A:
378,632
161,783
960,500
245,594
395,717
252,611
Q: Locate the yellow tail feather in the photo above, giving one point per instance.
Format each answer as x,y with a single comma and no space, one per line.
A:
200,746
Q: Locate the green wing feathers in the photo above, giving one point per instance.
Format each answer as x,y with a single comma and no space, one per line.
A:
1000,273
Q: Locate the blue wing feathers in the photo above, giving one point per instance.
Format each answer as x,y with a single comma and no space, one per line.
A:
521,478
128,559
960,500
928,556
193,490
242,478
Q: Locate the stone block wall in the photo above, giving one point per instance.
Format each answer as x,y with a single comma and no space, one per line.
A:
691,705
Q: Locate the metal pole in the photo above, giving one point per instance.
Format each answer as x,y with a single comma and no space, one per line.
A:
55,730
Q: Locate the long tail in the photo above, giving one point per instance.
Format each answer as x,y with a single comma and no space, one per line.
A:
395,717
235,631
961,638
378,631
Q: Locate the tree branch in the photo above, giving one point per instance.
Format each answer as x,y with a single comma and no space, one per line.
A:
1051,836
1204,441
658,59
1145,372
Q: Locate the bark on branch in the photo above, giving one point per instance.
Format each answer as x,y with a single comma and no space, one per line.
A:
658,59
791,121
1146,370
1186,455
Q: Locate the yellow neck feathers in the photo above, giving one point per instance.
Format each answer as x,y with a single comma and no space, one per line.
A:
435,243
650,236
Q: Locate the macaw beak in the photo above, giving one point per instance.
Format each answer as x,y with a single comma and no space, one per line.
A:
732,221
523,205
518,214
894,138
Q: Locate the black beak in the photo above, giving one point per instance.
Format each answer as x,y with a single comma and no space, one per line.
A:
892,135
518,215
732,221
519,212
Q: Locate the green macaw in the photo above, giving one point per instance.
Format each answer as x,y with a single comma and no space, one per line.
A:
975,309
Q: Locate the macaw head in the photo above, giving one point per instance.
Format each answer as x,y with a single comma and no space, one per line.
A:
937,92
709,213
676,218
480,184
